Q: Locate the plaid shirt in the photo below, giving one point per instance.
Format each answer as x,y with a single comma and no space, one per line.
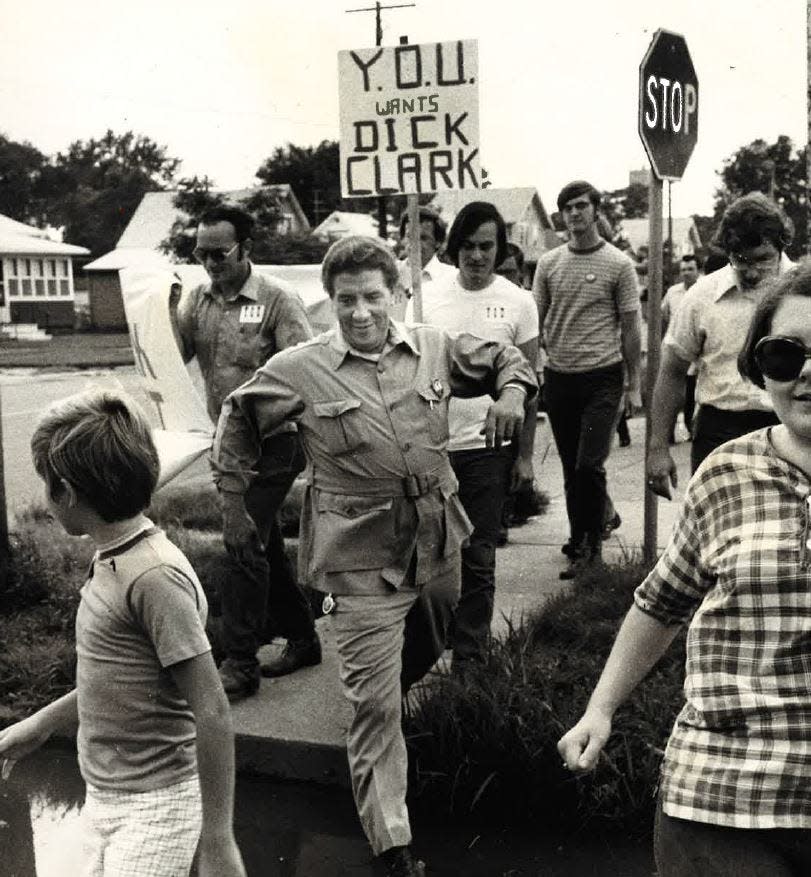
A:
739,563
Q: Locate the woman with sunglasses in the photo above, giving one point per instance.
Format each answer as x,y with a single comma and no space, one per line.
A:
735,789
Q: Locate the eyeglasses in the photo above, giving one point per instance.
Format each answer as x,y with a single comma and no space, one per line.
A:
779,358
217,255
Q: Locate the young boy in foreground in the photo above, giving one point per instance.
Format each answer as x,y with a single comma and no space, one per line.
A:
155,740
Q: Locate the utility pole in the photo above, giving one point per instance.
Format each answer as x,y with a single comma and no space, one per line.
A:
382,217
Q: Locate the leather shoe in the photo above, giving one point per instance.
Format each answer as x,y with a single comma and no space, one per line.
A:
239,680
609,526
296,654
400,863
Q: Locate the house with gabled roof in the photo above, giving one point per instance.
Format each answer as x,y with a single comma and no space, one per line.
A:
141,240
36,278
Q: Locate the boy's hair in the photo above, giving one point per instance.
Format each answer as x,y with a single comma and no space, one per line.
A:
356,253
101,444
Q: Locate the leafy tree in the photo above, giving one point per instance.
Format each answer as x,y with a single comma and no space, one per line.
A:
195,196
21,166
634,202
94,187
776,169
313,172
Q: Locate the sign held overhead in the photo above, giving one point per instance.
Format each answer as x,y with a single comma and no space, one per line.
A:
409,119
668,104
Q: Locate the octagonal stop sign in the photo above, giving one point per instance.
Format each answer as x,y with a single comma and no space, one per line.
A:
668,104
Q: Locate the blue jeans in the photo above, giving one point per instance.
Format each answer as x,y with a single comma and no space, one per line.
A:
685,848
583,410
264,585
483,476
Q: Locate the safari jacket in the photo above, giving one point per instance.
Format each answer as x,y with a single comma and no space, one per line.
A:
381,492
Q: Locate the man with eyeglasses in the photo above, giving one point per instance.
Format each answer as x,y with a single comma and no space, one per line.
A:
709,330
234,324
588,306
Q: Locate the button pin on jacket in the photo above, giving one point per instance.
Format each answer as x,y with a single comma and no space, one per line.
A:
328,605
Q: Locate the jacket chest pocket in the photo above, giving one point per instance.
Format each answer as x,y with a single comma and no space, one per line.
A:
337,424
434,403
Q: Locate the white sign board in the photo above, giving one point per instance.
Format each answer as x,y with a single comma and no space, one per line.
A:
409,119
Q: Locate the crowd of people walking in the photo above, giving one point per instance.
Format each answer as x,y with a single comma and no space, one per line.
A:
411,437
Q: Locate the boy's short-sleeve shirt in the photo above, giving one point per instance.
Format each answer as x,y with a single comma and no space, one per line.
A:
142,611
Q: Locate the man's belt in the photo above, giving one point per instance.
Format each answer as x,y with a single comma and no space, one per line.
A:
412,486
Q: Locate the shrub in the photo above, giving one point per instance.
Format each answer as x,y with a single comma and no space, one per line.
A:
190,506
498,724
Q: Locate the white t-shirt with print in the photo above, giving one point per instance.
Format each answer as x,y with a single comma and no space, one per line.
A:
501,312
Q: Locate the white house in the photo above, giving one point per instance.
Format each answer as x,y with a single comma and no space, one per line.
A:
36,277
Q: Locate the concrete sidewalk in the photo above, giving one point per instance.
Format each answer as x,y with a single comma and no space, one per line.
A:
295,727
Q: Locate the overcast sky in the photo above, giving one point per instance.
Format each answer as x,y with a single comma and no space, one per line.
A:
221,84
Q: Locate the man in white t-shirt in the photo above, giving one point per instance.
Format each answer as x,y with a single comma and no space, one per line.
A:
475,299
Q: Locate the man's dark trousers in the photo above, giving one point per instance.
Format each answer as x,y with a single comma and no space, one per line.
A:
714,426
583,410
263,586
483,476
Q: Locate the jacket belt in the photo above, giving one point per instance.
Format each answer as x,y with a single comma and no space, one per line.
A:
411,486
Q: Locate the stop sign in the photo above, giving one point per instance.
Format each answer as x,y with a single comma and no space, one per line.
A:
668,104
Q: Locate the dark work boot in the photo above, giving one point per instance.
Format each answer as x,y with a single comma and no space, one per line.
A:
400,863
297,653
239,680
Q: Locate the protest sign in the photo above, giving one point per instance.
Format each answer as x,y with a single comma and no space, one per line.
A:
409,118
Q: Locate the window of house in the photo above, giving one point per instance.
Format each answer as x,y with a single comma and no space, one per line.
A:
47,277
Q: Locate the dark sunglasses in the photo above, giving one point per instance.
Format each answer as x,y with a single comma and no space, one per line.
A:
218,256
779,358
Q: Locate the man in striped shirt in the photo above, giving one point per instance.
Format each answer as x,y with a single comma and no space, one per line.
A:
588,306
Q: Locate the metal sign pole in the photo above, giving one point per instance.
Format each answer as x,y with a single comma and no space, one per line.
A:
415,256
654,346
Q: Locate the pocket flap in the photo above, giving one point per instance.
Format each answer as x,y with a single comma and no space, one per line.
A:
351,506
336,408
